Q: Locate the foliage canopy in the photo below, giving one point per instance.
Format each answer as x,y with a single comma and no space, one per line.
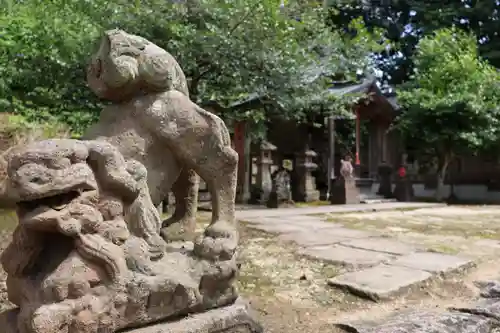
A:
452,100
230,51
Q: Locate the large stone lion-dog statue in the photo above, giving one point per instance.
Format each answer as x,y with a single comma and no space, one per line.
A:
152,120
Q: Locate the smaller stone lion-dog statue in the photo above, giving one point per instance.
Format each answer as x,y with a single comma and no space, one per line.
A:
87,256
152,120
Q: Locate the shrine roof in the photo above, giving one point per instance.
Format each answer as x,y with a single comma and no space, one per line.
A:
366,86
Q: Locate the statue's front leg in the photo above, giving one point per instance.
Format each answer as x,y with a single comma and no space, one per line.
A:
182,224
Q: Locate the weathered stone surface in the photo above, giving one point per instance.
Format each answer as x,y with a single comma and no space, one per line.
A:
434,262
346,256
235,318
152,120
381,245
484,307
428,322
87,255
489,289
380,282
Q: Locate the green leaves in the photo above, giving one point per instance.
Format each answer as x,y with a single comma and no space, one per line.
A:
451,102
230,50
43,46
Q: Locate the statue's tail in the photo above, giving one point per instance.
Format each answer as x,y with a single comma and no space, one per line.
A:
218,124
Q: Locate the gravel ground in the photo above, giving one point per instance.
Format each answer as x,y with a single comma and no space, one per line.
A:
290,294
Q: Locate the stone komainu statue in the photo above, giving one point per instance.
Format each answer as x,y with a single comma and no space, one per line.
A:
152,120
87,255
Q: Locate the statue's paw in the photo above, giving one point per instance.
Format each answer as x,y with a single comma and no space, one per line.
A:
219,242
157,246
140,265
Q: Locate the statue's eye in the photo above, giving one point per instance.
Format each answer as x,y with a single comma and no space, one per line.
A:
130,51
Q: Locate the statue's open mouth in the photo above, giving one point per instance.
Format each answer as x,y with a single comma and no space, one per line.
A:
45,214
56,202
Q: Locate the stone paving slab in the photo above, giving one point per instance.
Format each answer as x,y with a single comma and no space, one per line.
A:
283,226
427,322
306,222
305,218
280,212
380,282
434,262
312,238
324,236
346,256
384,245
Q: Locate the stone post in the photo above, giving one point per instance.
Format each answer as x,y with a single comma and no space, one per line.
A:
264,182
306,187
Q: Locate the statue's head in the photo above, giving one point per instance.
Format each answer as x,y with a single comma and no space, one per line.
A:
69,189
125,66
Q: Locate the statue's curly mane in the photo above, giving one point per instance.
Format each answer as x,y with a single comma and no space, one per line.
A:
126,65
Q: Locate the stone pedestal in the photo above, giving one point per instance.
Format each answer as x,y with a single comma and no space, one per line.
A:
344,191
306,183
235,318
384,173
264,183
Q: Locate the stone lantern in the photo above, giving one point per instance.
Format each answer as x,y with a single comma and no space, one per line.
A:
306,183
264,183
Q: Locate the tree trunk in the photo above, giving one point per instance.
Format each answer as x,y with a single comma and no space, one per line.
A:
443,163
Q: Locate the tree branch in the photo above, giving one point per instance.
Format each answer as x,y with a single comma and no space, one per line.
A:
195,81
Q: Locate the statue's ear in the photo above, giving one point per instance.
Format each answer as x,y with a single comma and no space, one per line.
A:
121,71
156,71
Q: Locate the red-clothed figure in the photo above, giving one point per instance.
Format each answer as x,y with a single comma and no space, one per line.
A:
402,171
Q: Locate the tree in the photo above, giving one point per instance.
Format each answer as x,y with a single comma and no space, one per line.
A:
405,22
230,51
238,50
451,102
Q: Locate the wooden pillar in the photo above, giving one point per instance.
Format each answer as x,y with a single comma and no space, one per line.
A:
357,162
241,145
331,155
